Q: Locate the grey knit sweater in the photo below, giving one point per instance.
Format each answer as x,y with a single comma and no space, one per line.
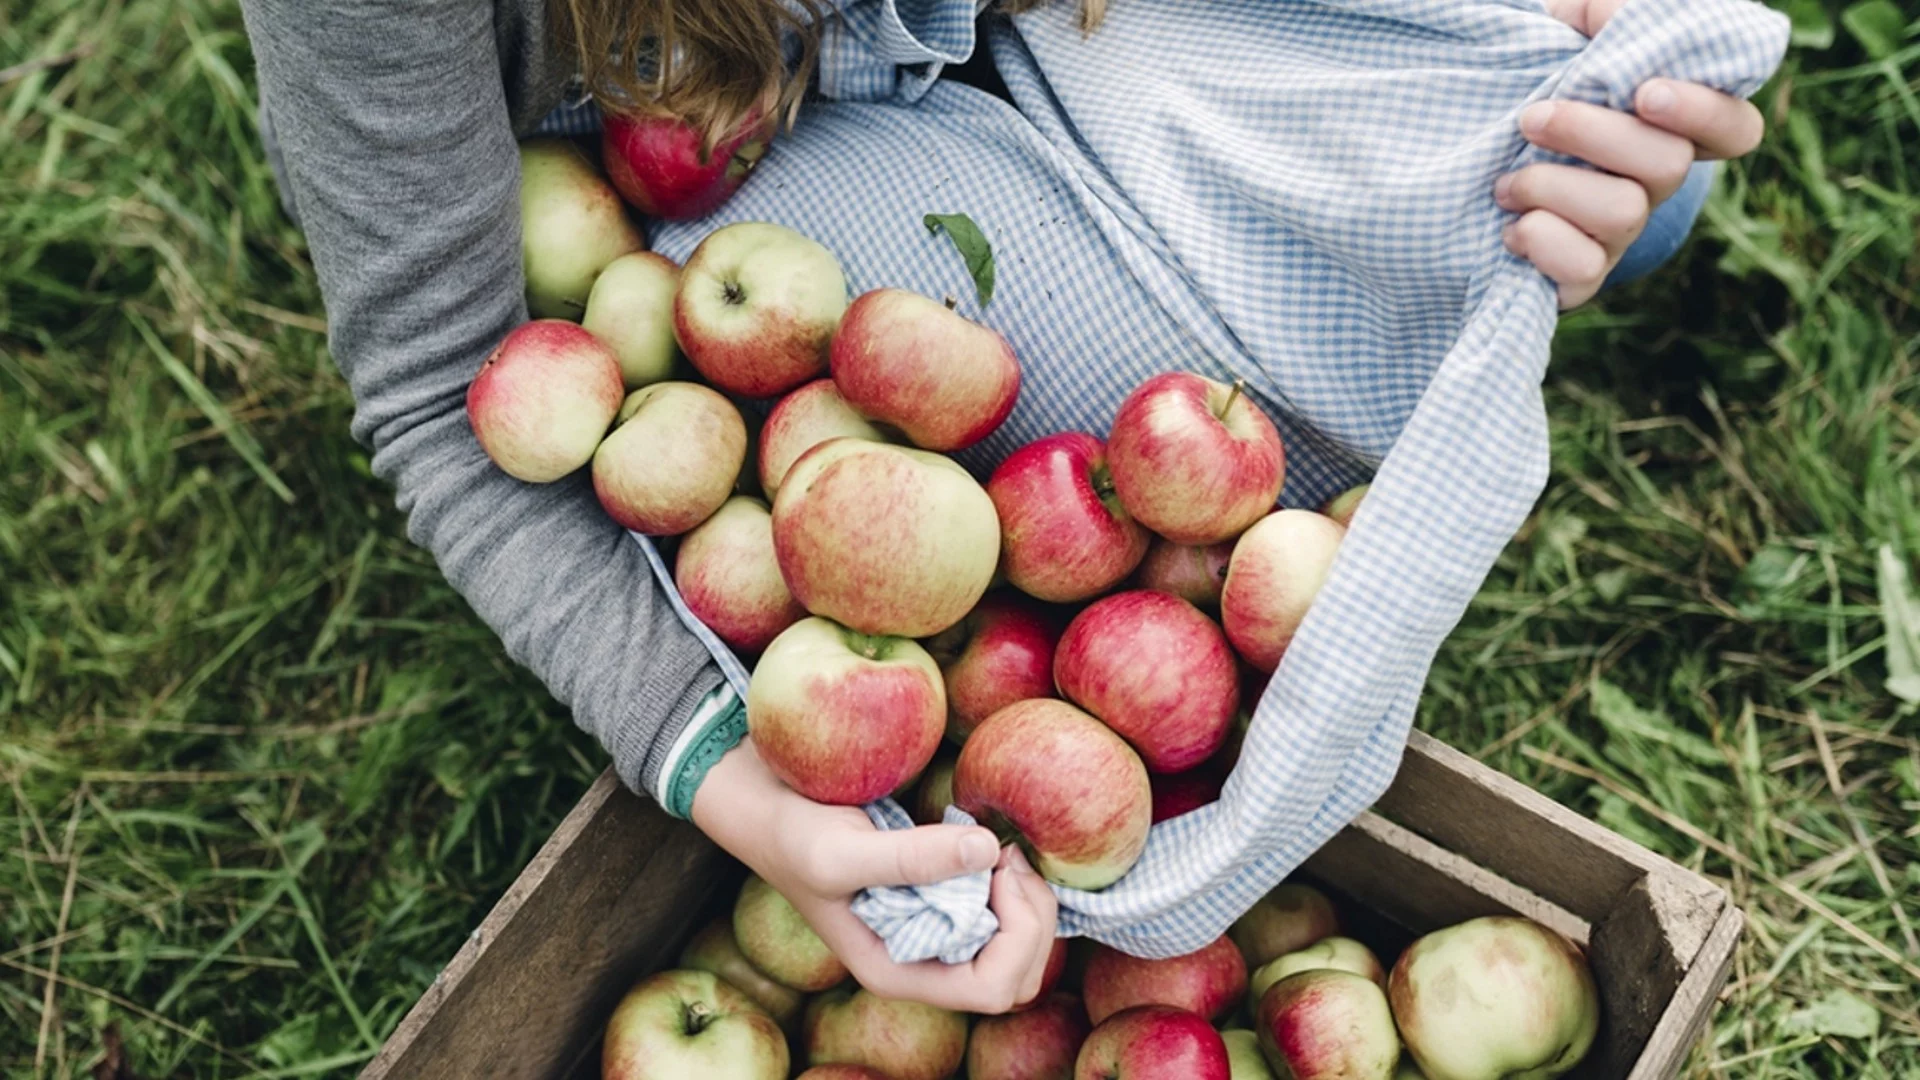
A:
392,130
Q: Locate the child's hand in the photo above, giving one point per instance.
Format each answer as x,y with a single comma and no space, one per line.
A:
1576,223
819,857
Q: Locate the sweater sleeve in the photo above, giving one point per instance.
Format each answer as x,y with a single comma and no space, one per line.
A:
392,129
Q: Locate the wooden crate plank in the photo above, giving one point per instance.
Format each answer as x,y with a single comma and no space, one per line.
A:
1686,1015
609,897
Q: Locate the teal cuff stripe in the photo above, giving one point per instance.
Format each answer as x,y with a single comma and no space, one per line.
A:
723,733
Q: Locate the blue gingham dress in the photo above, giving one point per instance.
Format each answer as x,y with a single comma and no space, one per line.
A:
1294,193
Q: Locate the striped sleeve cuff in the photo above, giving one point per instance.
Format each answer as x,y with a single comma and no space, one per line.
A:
718,724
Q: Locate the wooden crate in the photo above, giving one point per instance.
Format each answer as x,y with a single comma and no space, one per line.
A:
620,886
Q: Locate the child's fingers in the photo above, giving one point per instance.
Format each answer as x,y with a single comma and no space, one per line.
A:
1043,901
1719,125
842,863
1611,209
1617,142
1573,260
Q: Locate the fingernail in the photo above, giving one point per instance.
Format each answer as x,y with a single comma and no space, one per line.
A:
1533,118
1656,97
1502,188
979,851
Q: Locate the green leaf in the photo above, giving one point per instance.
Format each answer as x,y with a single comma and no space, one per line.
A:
1812,26
1900,610
973,246
1838,1013
1877,25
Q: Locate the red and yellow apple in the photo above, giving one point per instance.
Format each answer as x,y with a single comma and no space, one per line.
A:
1070,791
1040,1043
1327,1025
727,574
1153,1042
571,226
667,168
543,400
1064,535
1156,670
1209,981
757,307
679,1024
1002,652
1194,574
944,380
1336,953
1277,570
1194,460
671,460
803,420
904,1040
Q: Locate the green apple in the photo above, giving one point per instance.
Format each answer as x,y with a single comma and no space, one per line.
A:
777,940
681,1024
572,224
713,949
631,309
1243,1055
1338,953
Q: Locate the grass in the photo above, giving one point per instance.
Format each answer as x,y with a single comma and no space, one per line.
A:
263,770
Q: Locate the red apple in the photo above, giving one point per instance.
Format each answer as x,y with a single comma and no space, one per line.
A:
1157,670
542,401
666,169
727,574
1194,460
885,539
935,793
1288,919
1337,953
1328,1025
1194,574
803,420
1178,793
690,1023
1495,997
571,226
842,1072
757,307
1064,535
1153,1042
777,941
1277,570
1244,1060
844,717
1072,792
631,310
713,949
1343,506
1038,1044
671,460
1002,652
1208,981
905,1040
941,378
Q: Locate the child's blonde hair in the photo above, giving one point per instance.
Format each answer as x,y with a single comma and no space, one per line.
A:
717,61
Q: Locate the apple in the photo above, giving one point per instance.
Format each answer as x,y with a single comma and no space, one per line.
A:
1277,570
1342,507
842,1072
1002,652
571,226
1194,574
885,539
1049,975
1153,1042
1336,953
803,420
935,793
1194,460
757,307
1156,670
1495,997
631,310
1178,793
1327,1025
1064,535
905,1040
844,717
1208,981
713,949
667,168
727,574
1038,1044
1244,1060
543,399
944,380
671,459
691,1023
1070,791
777,941
1288,919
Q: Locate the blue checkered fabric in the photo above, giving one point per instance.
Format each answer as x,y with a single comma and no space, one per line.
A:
1296,194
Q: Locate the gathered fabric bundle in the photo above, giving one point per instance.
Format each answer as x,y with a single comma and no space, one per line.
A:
1296,194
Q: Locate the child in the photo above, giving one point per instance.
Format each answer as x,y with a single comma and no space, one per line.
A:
393,131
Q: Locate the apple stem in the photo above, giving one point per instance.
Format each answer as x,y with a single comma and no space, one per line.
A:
698,1017
1232,396
867,645
951,302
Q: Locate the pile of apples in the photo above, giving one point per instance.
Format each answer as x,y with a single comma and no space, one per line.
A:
1281,997
1086,626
